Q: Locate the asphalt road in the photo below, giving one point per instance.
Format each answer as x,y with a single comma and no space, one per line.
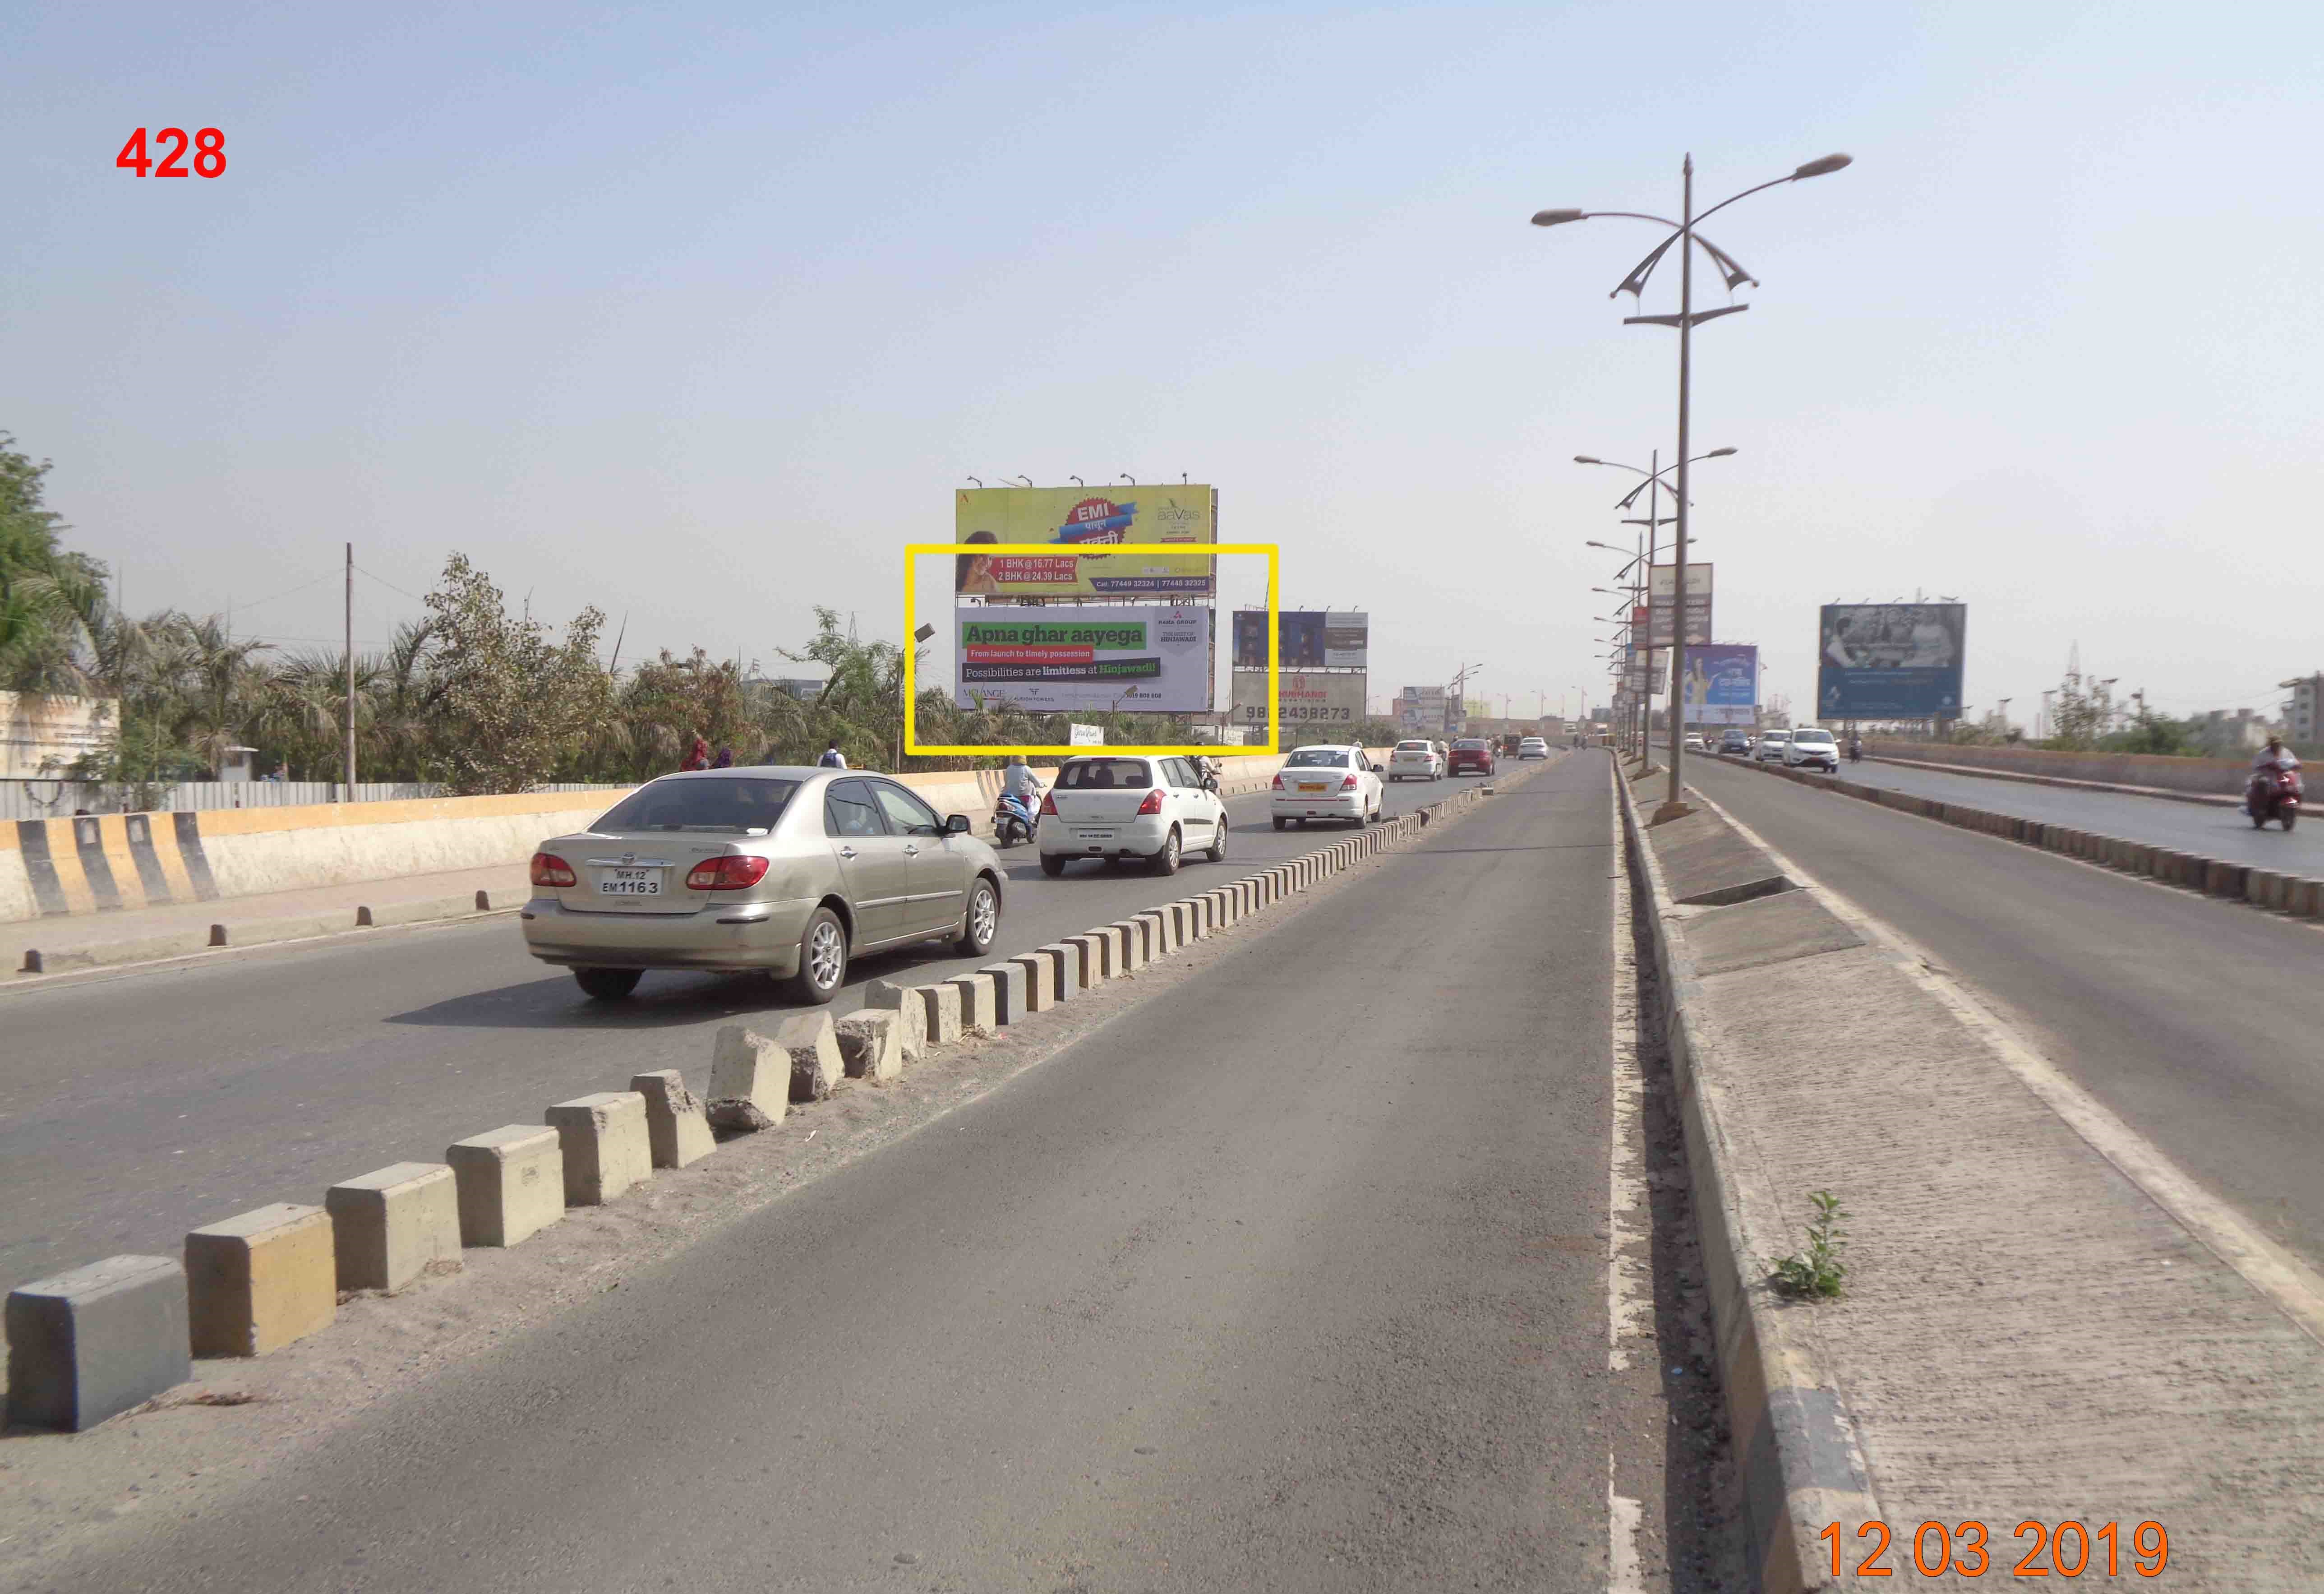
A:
1284,1279
137,1106
2185,827
2194,1019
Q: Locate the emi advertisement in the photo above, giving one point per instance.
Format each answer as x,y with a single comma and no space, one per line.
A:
1723,684
1080,524
1890,660
1308,703
1117,658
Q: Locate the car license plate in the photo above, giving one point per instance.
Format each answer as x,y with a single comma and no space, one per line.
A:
1093,835
629,883
1306,787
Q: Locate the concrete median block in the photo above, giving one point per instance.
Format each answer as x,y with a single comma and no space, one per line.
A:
1100,961
940,1005
388,1226
912,1030
2261,887
813,1046
606,1148
2222,878
1008,991
511,1183
872,1043
1158,942
1224,906
678,1124
1133,945
90,1343
1065,965
977,1008
2304,898
1186,921
1039,981
1082,955
260,1280
749,1081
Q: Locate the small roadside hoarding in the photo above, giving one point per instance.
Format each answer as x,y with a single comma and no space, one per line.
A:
1662,587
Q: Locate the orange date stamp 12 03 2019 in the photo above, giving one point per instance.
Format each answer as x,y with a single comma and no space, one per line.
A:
2067,1549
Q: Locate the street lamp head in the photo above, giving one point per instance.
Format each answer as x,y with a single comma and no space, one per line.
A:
1719,453
1559,217
1818,168
1587,460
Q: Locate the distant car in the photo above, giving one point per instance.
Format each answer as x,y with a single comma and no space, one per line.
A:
1811,747
792,870
1417,761
1473,756
1533,747
1695,744
1735,740
1770,749
1330,782
1122,807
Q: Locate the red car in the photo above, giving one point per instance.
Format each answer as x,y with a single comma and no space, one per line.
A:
1473,756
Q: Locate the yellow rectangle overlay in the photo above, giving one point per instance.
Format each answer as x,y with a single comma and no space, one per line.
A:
913,744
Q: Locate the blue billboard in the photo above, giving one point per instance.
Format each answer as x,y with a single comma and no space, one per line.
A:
1890,660
1723,684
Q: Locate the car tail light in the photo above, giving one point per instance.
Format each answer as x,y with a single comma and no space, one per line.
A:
726,874
1278,783
1153,803
1048,802
1347,782
549,869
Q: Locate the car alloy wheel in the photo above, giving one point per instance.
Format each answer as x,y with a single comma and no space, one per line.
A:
823,958
982,922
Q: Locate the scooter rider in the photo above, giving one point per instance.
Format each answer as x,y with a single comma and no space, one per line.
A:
1855,748
1019,781
2275,755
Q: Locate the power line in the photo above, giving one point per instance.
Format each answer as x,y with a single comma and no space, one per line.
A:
390,586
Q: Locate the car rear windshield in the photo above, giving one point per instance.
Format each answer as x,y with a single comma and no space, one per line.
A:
1470,746
1317,758
1104,774
1811,736
1412,746
734,803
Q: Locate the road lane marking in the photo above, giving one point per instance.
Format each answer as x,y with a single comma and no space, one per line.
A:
2294,1287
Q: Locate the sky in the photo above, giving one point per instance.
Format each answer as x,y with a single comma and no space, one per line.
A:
698,313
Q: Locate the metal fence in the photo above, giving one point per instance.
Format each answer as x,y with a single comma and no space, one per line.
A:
58,799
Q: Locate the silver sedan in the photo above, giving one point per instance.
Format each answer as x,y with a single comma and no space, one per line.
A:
790,870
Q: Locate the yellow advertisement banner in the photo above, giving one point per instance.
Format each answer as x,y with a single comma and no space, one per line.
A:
1080,523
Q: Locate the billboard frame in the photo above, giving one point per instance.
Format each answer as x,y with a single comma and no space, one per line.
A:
913,745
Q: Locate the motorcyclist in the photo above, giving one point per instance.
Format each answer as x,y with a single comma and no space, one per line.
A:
1855,748
2275,755
1206,772
1021,789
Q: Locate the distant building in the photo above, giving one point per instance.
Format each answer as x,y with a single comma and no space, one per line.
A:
41,736
2230,733
2299,713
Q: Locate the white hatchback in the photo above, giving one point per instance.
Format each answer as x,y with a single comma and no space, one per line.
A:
1417,761
1120,807
1769,748
1335,783
1812,746
1533,747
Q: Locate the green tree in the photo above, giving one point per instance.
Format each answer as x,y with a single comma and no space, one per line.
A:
515,703
51,601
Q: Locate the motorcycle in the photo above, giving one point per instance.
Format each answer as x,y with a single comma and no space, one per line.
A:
1014,821
1856,752
2273,794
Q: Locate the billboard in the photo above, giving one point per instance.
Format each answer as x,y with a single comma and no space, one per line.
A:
1308,703
1722,685
1424,711
1662,586
1123,658
1076,518
1307,639
1889,660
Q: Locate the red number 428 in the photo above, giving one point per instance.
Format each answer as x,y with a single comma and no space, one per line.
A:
209,154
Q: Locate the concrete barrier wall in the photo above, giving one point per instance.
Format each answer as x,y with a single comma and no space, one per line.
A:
2208,776
106,863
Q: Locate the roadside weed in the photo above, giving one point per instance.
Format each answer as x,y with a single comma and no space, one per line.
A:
1815,1275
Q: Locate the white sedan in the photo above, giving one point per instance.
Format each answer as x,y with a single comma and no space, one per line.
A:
1416,760
1327,783
1533,747
1120,807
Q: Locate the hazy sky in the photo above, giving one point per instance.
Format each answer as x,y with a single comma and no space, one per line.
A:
699,312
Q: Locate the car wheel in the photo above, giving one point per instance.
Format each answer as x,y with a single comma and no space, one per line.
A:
1164,861
1280,821
607,985
822,959
1217,851
982,922
1053,864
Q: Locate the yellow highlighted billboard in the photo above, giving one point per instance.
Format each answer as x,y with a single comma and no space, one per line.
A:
1143,552
1076,543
